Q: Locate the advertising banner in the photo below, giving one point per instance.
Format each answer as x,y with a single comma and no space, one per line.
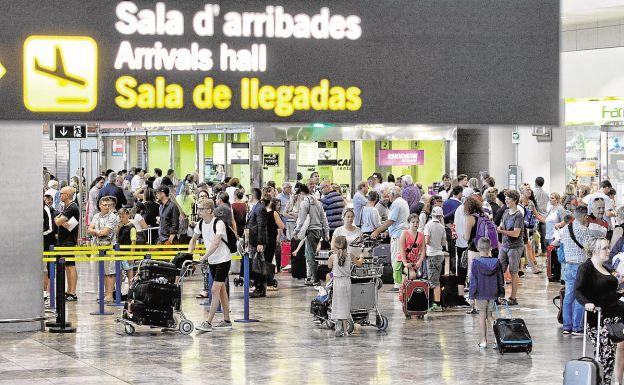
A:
351,61
401,157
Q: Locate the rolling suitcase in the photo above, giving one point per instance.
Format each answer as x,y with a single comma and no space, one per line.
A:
382,252
298,267
553,267
414,295
449,296
559,306
585,370
511,334
286,250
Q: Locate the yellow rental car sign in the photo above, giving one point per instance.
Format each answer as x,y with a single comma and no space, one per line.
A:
60,73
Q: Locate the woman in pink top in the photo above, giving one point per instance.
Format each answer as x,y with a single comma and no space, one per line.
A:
411,250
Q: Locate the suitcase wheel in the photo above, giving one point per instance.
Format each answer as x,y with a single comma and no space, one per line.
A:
274,283
382,325
186,327
129,329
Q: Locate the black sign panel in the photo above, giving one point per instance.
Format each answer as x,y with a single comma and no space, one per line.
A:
69,131
354,61
270,160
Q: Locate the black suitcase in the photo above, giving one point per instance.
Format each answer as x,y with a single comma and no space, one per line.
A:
150,269
511,334
559,307
144,315
154,294
449,296
298,267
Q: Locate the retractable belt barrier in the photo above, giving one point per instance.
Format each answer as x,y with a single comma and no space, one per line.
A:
58,256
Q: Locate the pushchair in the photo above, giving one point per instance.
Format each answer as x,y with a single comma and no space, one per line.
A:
365,284
155,297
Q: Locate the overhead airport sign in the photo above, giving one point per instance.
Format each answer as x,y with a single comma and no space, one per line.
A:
472,61
68,131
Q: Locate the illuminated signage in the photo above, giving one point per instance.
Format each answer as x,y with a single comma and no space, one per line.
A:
401,157
594,111
351,61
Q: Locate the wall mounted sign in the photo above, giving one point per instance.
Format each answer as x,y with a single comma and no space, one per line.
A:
118,147
401,157
270,160
351,61
68,131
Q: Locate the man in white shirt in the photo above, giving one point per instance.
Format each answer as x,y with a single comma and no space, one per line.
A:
359,201
395,224
158,180
605,186
135,184
219,260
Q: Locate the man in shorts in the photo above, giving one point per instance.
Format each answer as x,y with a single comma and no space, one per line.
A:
510,252
219,259
435,239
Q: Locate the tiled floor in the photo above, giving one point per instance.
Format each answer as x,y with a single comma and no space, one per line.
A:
286,348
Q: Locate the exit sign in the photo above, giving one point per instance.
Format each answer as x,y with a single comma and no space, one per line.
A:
68,131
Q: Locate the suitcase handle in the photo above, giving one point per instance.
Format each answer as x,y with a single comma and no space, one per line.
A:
498,314
598,330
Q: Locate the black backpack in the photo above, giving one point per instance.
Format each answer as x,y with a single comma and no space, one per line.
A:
231,235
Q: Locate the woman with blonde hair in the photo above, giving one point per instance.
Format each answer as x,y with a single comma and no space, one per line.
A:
569,200
597,286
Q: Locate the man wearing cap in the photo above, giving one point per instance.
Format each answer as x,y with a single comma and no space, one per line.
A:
435,240
169,217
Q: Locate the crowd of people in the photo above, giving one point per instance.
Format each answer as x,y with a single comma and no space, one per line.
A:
423,226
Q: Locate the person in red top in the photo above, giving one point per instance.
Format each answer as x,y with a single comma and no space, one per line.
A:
411,250
598,226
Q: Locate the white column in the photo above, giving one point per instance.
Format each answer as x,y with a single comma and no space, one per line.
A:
21,239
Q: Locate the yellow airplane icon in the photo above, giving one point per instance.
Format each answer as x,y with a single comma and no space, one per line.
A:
60,73
59,70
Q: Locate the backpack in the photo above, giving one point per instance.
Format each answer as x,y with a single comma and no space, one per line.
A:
231,239
529,219
485,228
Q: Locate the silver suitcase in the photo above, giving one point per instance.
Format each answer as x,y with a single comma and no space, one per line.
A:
585,370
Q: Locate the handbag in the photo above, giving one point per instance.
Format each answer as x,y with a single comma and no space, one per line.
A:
258,265
615,332
464,259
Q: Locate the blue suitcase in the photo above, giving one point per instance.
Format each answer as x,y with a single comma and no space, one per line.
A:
585,370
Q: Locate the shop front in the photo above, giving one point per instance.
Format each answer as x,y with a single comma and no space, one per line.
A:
595,142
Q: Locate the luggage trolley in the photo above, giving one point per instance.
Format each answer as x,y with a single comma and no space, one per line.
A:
365,285
155,297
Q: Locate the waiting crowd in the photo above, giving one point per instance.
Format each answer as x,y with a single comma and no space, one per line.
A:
487,234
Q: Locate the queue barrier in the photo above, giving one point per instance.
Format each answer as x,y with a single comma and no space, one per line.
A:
57,256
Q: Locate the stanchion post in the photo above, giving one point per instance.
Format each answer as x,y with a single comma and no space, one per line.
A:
52,280
101,311
246,318
60,326
117,280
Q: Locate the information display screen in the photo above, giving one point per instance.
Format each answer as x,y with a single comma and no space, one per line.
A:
349,61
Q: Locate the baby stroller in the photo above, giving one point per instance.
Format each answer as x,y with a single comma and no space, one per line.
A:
269,275
155,296
365,284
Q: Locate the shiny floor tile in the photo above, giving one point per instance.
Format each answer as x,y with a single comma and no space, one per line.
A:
286,348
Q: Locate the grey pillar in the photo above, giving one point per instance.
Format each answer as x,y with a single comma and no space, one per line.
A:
21,239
